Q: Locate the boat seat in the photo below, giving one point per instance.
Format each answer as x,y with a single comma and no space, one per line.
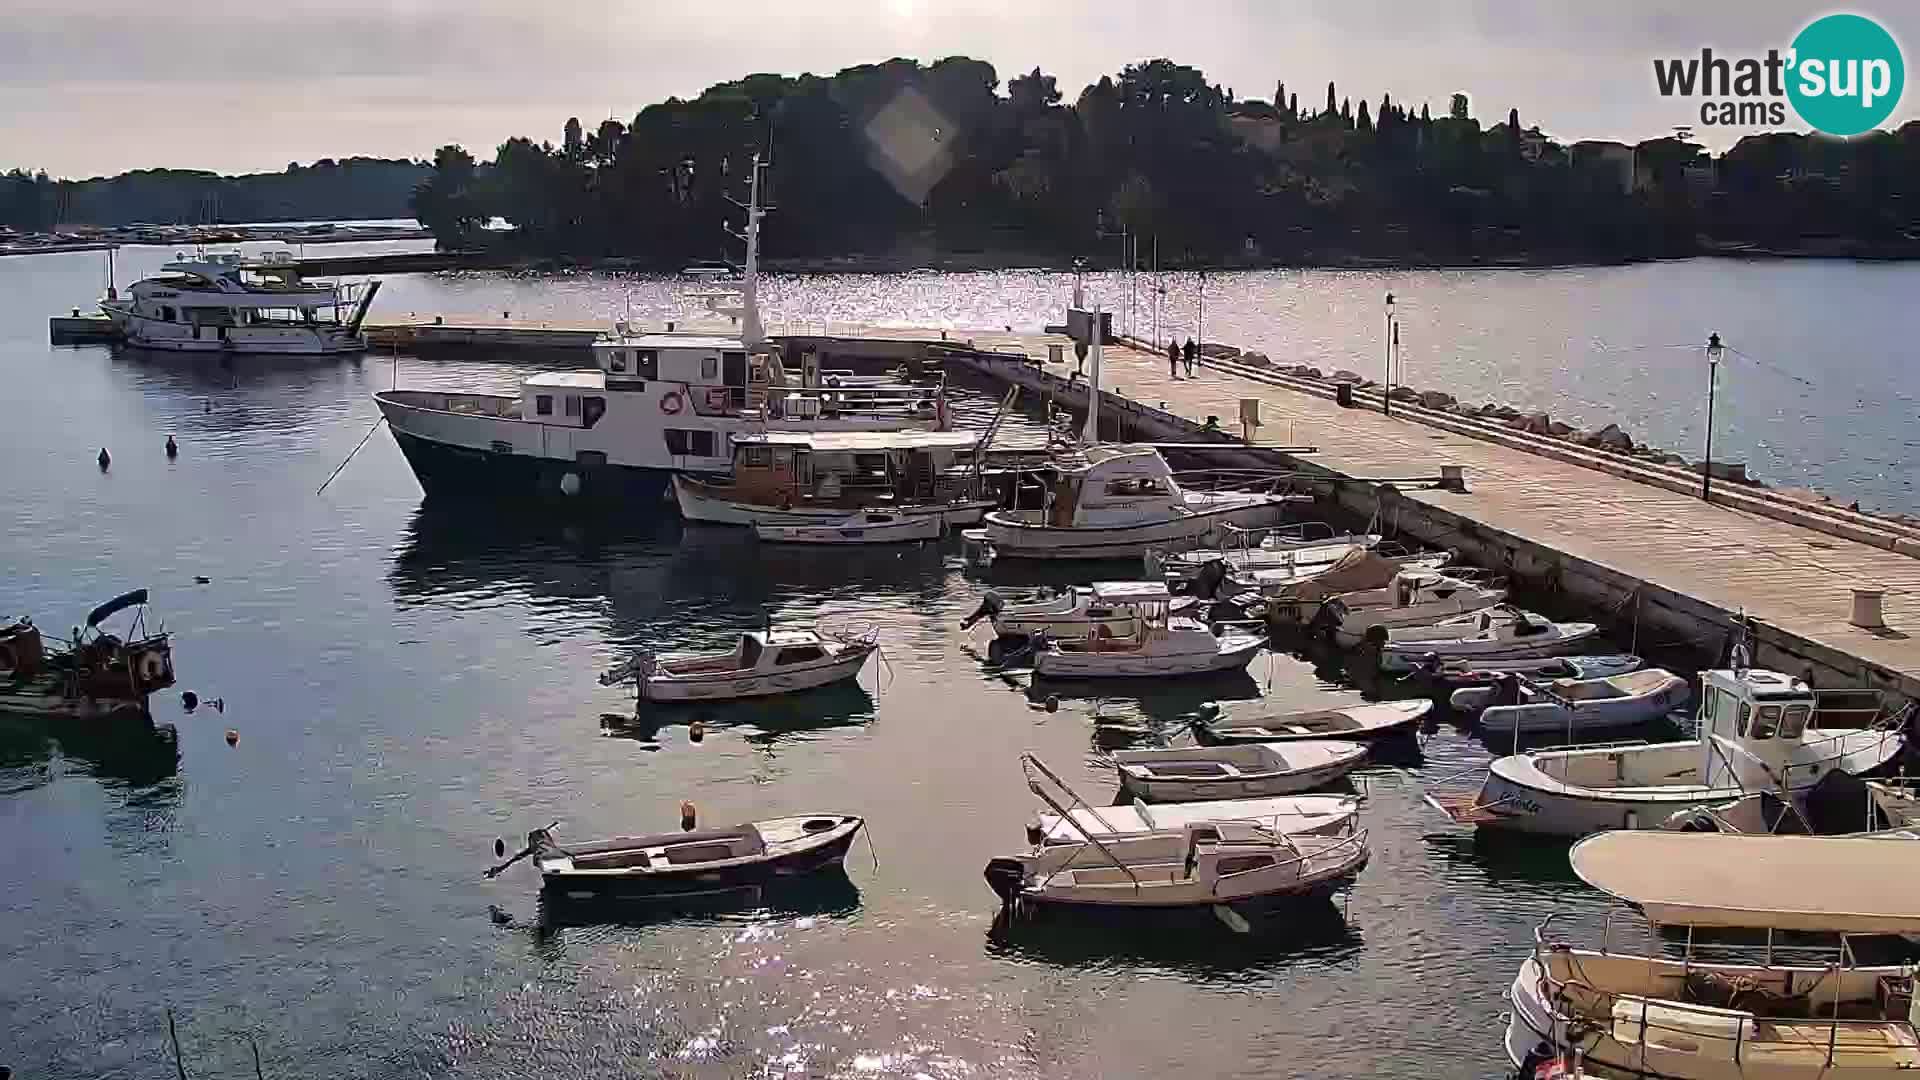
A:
1196,769
742,841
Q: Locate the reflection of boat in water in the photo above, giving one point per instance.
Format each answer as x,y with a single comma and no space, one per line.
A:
829,893
1175,940
130,751
762,721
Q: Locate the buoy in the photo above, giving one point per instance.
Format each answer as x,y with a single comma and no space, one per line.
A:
1053,702
190,701
199,579
500,918
173,448
697,730
570,484
207,405
105,459
233,737
499,848
687,815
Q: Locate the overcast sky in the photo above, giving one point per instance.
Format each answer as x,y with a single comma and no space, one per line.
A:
98,86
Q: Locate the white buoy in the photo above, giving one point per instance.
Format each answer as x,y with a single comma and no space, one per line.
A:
570,484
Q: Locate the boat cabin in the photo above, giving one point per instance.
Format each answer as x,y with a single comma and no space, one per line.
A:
714,375
849,468
229,290
1119,485
1752,719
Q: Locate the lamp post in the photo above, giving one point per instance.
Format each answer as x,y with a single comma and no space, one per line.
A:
1386,391
1715,351
1201,329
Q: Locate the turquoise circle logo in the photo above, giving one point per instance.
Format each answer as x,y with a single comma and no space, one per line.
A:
1847,74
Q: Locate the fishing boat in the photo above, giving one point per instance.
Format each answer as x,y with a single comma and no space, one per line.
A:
1074,612
1362,575
762,663
862,527
97,675
654,404
1371,720
1159,644
228,303
1283,814
1489,634
1120,500
1415,598
1242,771
1759,730
1243,551
1760,976
1574,705
1481,675
816,477
690,863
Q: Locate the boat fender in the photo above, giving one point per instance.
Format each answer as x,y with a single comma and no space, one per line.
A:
697,730
1376,637
688,815
1053,703
570,484
672,402
233,737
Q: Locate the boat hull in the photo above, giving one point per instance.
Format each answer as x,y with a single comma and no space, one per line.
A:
726,686
698,880
145,333
1056,664
447,470
1399,658
908,531
1015,539
698,503
1253,787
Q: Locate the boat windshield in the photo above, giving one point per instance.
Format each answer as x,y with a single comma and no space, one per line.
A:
749,651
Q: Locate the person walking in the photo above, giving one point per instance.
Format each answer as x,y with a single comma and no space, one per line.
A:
1193,353
1173,357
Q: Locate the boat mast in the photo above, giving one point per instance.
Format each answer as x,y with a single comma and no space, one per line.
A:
1091,433
753,334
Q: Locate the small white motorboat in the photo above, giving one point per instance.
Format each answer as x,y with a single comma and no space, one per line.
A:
1367,720
1284,547
1075,612
1245,770
1482,674
1496,634
1416,598
864,527
1161,645
1575,706
1760,730
691,863
762,663
1282,814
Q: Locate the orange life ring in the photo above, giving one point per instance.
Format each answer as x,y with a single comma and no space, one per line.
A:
671,403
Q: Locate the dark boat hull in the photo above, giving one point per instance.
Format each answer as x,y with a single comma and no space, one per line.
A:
447,471
697,881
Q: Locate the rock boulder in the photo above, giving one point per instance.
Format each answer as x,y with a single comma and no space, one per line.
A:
1436,399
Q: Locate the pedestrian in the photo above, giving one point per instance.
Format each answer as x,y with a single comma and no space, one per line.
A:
1173,362
1193,353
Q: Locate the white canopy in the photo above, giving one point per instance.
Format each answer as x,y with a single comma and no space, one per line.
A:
1131,592
867,441
1852,885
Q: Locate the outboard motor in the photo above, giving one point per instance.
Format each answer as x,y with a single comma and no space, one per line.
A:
1212,575
990,607
1326,618
1006,877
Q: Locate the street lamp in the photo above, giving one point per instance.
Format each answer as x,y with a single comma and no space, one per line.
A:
1201,329
1715,351
1386,388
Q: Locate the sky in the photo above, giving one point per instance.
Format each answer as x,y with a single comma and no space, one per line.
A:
98,86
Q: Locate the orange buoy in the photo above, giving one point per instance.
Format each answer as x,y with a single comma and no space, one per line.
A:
233,737
697,730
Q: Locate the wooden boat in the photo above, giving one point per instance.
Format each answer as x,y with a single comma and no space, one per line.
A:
98,675
691,863
1122,501
1284,547
1493,634
1363,576
1760,730
865,527
820,477
1246,770
1160,643
1483,674
1370,720
1282,814
762,663
1794,1004
1416,598
1575,705
1113,606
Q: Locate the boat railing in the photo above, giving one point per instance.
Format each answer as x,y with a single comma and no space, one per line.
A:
1028,764
1622,931
1356,840
1614,744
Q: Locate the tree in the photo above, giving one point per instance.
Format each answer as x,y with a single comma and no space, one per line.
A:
1513,133
572,144
1364,122
1346,112
1332,106
445,201
1458,109
1280,97
1425,116
1293,107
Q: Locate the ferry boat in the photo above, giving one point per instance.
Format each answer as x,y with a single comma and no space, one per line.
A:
229,303
653,405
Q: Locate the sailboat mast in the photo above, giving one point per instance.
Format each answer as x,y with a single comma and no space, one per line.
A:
752,333
1091,433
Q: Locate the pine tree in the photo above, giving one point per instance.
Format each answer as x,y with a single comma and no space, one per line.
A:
1333,105
1346,112
1425,116
1365,122
1293,107
1280,97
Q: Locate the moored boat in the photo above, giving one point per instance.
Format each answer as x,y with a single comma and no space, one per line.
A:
693,862
233,304
1416,597
861,527
1481,675
1490,634
762,663
1248,770
1575,706
1366,720
1283,814
1074,612
814,477
97,675
1160,643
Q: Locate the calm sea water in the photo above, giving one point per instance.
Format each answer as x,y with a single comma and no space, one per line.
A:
408,683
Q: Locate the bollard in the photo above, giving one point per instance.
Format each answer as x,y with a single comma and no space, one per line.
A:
1453,478
1867,613
1343,395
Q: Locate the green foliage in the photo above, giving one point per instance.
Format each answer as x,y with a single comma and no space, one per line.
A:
328,190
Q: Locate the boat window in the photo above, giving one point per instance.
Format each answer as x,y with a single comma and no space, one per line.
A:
749,653
618,361
591,410
709,368
702,443
166,313
1794,721
1099,613
1146,485
543,404
677,441
799,654
646,363
758,457
1240,864
1740,725
1767,722
572,404
682,442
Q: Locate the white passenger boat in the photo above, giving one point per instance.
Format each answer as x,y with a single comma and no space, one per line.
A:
1415,598
1488,634
1120,502
1159,644
1760,730
1244,771
1575,706
1795,1004
1282,814
1075,612
762,663
653,405
233,304
810,477
1366,720
863,527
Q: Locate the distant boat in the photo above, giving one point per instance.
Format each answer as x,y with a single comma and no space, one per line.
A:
232,304
762,663
97,675
1246,771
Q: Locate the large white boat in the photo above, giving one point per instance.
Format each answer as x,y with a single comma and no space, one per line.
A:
653,405
1759,731
231,304
1120,501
